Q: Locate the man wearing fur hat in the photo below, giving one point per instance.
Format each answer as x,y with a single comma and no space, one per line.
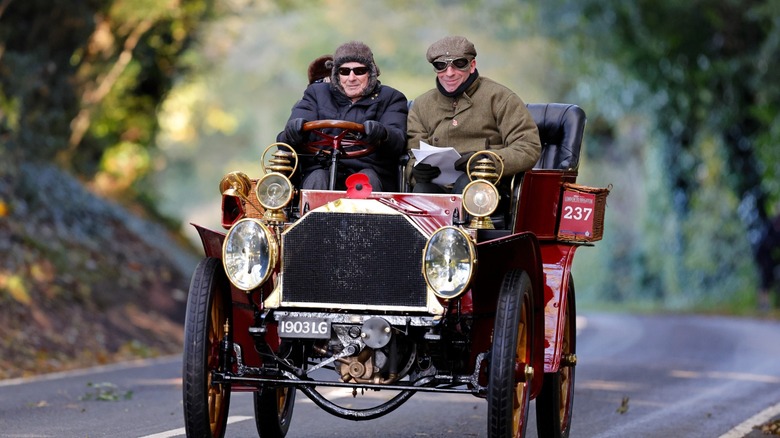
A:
354,94
469,113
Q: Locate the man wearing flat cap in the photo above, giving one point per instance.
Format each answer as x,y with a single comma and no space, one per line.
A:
469,113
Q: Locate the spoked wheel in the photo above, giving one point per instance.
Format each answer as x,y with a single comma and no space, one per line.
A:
208,307
555,402
510,373
273,411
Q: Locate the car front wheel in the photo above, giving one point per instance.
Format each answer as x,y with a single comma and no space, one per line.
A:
208,308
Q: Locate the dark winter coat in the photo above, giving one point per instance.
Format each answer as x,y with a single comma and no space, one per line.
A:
321,101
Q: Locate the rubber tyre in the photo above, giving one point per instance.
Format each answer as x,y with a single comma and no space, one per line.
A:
508,394
556,401
208,307
273,411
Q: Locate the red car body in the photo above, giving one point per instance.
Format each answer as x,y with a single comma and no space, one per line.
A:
517,311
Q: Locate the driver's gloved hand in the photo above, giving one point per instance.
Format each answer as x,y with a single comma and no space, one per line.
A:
460,163
293,131
424,172
375,131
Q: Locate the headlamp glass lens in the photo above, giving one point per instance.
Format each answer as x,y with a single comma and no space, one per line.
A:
449,262
480,198
249,254
274,191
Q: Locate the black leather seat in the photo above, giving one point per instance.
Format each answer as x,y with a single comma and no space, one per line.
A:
561,127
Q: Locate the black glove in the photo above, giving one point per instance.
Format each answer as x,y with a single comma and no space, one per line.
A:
424,172
293,131
375,132
460,163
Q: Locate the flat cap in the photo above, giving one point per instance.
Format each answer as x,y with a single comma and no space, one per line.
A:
451,47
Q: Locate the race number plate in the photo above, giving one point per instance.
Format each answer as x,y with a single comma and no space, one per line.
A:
577,214
304,327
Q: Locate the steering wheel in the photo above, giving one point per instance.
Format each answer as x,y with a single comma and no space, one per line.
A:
346,142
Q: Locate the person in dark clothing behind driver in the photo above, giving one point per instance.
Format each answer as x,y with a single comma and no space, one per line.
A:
318,70
354,94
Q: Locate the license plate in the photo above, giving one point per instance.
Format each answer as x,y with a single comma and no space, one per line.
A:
304,327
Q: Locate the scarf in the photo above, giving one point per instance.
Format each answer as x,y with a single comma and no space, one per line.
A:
466,84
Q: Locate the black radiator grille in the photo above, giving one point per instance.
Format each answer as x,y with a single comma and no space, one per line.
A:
354,259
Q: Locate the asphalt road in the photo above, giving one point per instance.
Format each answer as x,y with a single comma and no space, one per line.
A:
638,376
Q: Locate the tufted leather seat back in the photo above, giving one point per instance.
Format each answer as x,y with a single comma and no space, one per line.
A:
561,126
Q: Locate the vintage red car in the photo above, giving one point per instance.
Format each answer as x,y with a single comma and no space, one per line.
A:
400,292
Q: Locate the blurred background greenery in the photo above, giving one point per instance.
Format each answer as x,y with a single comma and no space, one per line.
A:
150,102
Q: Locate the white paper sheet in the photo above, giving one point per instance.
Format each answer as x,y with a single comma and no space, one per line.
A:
442,157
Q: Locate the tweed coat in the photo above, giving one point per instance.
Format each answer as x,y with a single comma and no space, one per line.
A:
487,115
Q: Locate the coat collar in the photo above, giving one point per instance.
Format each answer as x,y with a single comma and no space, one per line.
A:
460,103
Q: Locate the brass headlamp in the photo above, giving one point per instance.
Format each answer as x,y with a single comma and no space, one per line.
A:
275,190
480,197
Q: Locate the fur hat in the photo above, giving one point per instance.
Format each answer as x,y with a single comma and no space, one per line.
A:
354,51
451,47
318,70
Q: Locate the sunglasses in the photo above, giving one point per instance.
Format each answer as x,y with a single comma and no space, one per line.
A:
459,63
359,71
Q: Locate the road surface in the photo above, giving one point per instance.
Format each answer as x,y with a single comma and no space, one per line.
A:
637,376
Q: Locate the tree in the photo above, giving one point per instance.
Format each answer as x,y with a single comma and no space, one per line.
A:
710,73
81,81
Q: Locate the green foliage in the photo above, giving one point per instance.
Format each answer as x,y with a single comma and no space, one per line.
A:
35,71
707,83
76,80
708,68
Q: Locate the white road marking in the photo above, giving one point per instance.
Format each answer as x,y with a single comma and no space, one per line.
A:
180,431
756,420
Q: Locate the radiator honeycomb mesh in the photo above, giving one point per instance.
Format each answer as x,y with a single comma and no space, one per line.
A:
355,259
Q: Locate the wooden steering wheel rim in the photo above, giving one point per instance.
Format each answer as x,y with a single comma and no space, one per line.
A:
348,147
340,124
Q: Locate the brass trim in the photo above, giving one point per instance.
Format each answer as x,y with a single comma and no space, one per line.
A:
284,162
275,214
489,166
